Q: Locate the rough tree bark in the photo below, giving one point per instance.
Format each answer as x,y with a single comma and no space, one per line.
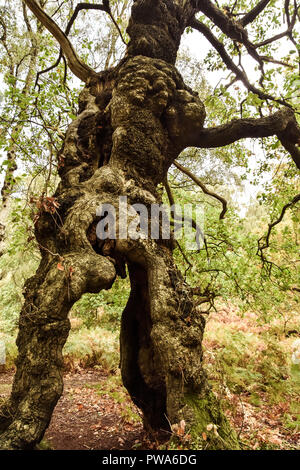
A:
133,122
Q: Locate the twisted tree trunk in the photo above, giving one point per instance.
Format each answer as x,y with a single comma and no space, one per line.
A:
133,122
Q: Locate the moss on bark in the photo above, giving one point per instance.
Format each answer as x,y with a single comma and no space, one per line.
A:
209,428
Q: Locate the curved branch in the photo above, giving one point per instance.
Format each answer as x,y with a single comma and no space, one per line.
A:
272,225
79,7
203,187
117,26
291,149
240,75
283,124
88,6
48,69
79,68
280,35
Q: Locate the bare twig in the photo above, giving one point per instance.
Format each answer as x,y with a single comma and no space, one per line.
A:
203,187
191,220
240,74
266,238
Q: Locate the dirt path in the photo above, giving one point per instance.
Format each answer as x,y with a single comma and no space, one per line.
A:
94,413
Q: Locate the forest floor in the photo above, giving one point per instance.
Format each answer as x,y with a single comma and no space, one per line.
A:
248,363
95,412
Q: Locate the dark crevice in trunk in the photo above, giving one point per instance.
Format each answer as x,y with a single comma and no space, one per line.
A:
137,353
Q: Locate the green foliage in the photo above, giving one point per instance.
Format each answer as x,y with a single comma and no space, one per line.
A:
230,265
246,361
17,264
33,124
249,365
111,304
95,347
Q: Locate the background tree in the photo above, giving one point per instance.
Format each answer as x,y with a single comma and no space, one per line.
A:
133,122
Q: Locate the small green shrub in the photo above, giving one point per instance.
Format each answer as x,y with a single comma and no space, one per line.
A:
95,347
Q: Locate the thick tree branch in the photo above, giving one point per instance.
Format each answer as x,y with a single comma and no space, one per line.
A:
203,187
253,14
283,124
229,26
291,148
79,68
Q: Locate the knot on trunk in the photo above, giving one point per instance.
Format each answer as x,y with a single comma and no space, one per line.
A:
184,117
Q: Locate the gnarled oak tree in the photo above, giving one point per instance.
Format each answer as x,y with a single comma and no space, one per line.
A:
133,122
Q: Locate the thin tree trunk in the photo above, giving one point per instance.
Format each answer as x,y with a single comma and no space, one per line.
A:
22,115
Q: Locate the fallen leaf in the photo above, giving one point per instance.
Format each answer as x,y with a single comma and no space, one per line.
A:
60,267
